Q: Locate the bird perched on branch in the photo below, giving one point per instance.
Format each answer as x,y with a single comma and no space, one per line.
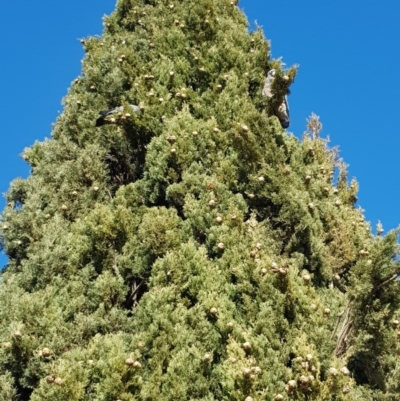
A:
267,90
282,112
106,113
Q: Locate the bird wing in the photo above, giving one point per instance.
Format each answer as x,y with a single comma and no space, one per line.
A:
283,113
111,111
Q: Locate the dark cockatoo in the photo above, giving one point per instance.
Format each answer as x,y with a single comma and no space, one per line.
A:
104,114
282,112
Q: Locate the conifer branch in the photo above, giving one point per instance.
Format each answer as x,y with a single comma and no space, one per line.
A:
341,348
387,281
135,289
339,315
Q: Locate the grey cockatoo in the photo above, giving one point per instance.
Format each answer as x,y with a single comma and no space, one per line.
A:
282,112
103,114
267,90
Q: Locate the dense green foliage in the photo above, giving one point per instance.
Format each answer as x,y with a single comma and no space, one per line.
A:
195,250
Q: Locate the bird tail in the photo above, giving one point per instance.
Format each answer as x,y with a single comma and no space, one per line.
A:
100,121
283,113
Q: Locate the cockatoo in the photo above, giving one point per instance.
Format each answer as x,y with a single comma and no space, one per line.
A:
282,112
103,114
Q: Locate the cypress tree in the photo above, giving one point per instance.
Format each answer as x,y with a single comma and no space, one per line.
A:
191,249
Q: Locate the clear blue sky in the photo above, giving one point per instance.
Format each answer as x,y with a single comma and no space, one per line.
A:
348,52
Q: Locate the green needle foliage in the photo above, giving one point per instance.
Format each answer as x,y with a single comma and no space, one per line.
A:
194,250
